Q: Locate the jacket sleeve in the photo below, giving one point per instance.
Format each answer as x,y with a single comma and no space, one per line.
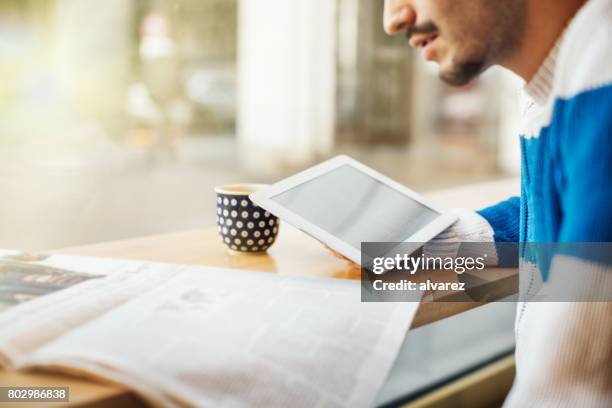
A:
504,218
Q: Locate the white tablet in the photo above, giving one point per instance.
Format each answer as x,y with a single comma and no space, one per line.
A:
343,203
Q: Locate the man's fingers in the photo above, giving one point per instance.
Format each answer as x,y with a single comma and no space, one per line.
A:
342,257
336,254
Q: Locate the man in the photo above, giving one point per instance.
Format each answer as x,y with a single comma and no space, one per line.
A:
563,51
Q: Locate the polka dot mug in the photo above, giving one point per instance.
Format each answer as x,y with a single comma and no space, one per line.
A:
243,226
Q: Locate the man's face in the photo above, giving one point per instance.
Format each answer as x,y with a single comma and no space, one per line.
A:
465,37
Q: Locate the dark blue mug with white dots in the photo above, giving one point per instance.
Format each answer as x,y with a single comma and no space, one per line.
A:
244,227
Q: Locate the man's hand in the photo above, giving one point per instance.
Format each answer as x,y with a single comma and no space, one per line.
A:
342,257
471,229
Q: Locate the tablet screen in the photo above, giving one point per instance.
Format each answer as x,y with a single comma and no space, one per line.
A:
355,207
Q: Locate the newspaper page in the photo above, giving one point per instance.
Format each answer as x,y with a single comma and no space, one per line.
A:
71,296
225,338
194,336
24,277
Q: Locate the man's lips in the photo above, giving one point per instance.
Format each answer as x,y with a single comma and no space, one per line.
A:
426,42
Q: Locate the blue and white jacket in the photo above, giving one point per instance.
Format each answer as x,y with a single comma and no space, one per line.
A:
564,349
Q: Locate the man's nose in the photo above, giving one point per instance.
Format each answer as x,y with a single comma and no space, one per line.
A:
400,21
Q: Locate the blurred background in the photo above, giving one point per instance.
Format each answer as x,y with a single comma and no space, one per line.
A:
117,118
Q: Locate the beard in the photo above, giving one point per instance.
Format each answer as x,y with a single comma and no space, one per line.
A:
496,30
463,73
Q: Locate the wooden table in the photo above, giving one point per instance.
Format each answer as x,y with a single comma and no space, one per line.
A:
293,254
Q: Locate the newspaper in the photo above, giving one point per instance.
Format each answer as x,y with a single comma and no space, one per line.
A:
195,336
23,278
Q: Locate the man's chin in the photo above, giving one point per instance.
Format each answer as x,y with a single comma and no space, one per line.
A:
463,74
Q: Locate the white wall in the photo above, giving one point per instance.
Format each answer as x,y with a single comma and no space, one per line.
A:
286,82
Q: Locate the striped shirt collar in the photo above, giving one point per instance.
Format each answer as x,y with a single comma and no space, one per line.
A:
540,86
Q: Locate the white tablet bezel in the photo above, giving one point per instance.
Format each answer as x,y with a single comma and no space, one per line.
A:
263,198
